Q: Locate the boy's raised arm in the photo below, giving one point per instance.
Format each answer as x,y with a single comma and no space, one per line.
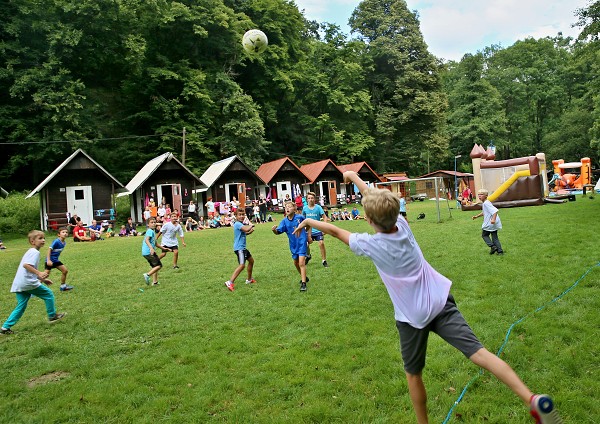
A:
327,228
352,177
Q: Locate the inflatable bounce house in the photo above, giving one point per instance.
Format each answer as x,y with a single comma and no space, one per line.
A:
565,179
512,182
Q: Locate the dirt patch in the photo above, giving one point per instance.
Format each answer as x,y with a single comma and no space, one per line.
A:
47,378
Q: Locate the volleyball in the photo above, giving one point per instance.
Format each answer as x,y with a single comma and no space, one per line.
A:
255,41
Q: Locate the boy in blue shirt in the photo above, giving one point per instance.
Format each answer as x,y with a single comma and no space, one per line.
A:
149,252
52,261
316,212
298,242
240,231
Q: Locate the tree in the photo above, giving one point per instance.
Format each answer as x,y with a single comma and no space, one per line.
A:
405,86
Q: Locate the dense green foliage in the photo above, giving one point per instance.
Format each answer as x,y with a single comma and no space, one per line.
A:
122,79
19,215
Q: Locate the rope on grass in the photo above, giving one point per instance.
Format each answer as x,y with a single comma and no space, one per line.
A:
462,394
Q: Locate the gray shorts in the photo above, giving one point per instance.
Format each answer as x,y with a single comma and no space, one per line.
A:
450,325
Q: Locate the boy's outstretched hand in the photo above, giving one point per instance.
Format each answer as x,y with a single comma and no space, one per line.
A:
299,228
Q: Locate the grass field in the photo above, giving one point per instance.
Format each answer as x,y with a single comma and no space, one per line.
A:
191,351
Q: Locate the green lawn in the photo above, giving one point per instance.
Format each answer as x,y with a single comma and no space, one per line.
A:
191,351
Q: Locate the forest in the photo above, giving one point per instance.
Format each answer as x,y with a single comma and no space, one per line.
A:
127,80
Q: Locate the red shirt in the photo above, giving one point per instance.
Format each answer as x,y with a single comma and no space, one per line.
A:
78,231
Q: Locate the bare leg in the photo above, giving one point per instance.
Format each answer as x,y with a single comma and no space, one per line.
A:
322,247
250,267
418,396
63,277
175,256
487,360
237,272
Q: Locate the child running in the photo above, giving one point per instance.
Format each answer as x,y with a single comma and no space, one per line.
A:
169,233
28,282
149,252
313,211
421,299
52,261
240,231
298,241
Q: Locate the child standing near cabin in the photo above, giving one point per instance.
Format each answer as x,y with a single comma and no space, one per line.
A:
422,300
28,282
52,260
298,242
240,231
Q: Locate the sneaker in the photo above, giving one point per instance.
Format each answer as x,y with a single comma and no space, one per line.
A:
308,258
56,317
493,250
175,267
542,410
156,284
325,264
6,331
66,288
302,286
251,281
147,279
229,285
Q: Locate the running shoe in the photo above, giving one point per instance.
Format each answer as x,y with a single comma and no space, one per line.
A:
57,317
229,285
147,279
251,281
542,410
66,288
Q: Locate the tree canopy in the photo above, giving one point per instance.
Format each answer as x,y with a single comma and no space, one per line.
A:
122,79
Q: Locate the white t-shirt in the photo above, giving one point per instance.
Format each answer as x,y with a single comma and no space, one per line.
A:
191,208
169,234
418,292
25,280
488,211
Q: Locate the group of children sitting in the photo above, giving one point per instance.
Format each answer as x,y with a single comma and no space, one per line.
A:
345,215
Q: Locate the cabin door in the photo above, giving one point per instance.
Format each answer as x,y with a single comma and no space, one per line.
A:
79,201
332,192
241,194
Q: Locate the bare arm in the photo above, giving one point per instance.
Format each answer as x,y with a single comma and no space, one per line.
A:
327,228
352,177
42,276
48,261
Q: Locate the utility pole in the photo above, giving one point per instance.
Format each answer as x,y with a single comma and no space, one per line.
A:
183,148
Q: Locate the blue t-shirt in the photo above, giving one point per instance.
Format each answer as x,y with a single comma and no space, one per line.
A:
297,243
239,237
315,213
152,236
57,247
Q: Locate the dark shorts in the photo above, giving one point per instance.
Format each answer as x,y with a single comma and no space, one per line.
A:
153,260
403,214
318,236
55,264
242,256
173,248
450,325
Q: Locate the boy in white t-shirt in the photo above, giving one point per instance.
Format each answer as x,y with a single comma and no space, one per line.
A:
421,298
28,282
491,223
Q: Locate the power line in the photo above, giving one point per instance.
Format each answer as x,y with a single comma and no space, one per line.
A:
88,140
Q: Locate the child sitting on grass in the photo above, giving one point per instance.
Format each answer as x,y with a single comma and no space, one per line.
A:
421,299
28,282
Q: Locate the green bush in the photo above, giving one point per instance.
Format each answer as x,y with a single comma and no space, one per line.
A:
19,215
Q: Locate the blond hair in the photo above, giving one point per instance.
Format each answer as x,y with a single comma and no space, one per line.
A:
381,207
483,191
33,234
311,193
